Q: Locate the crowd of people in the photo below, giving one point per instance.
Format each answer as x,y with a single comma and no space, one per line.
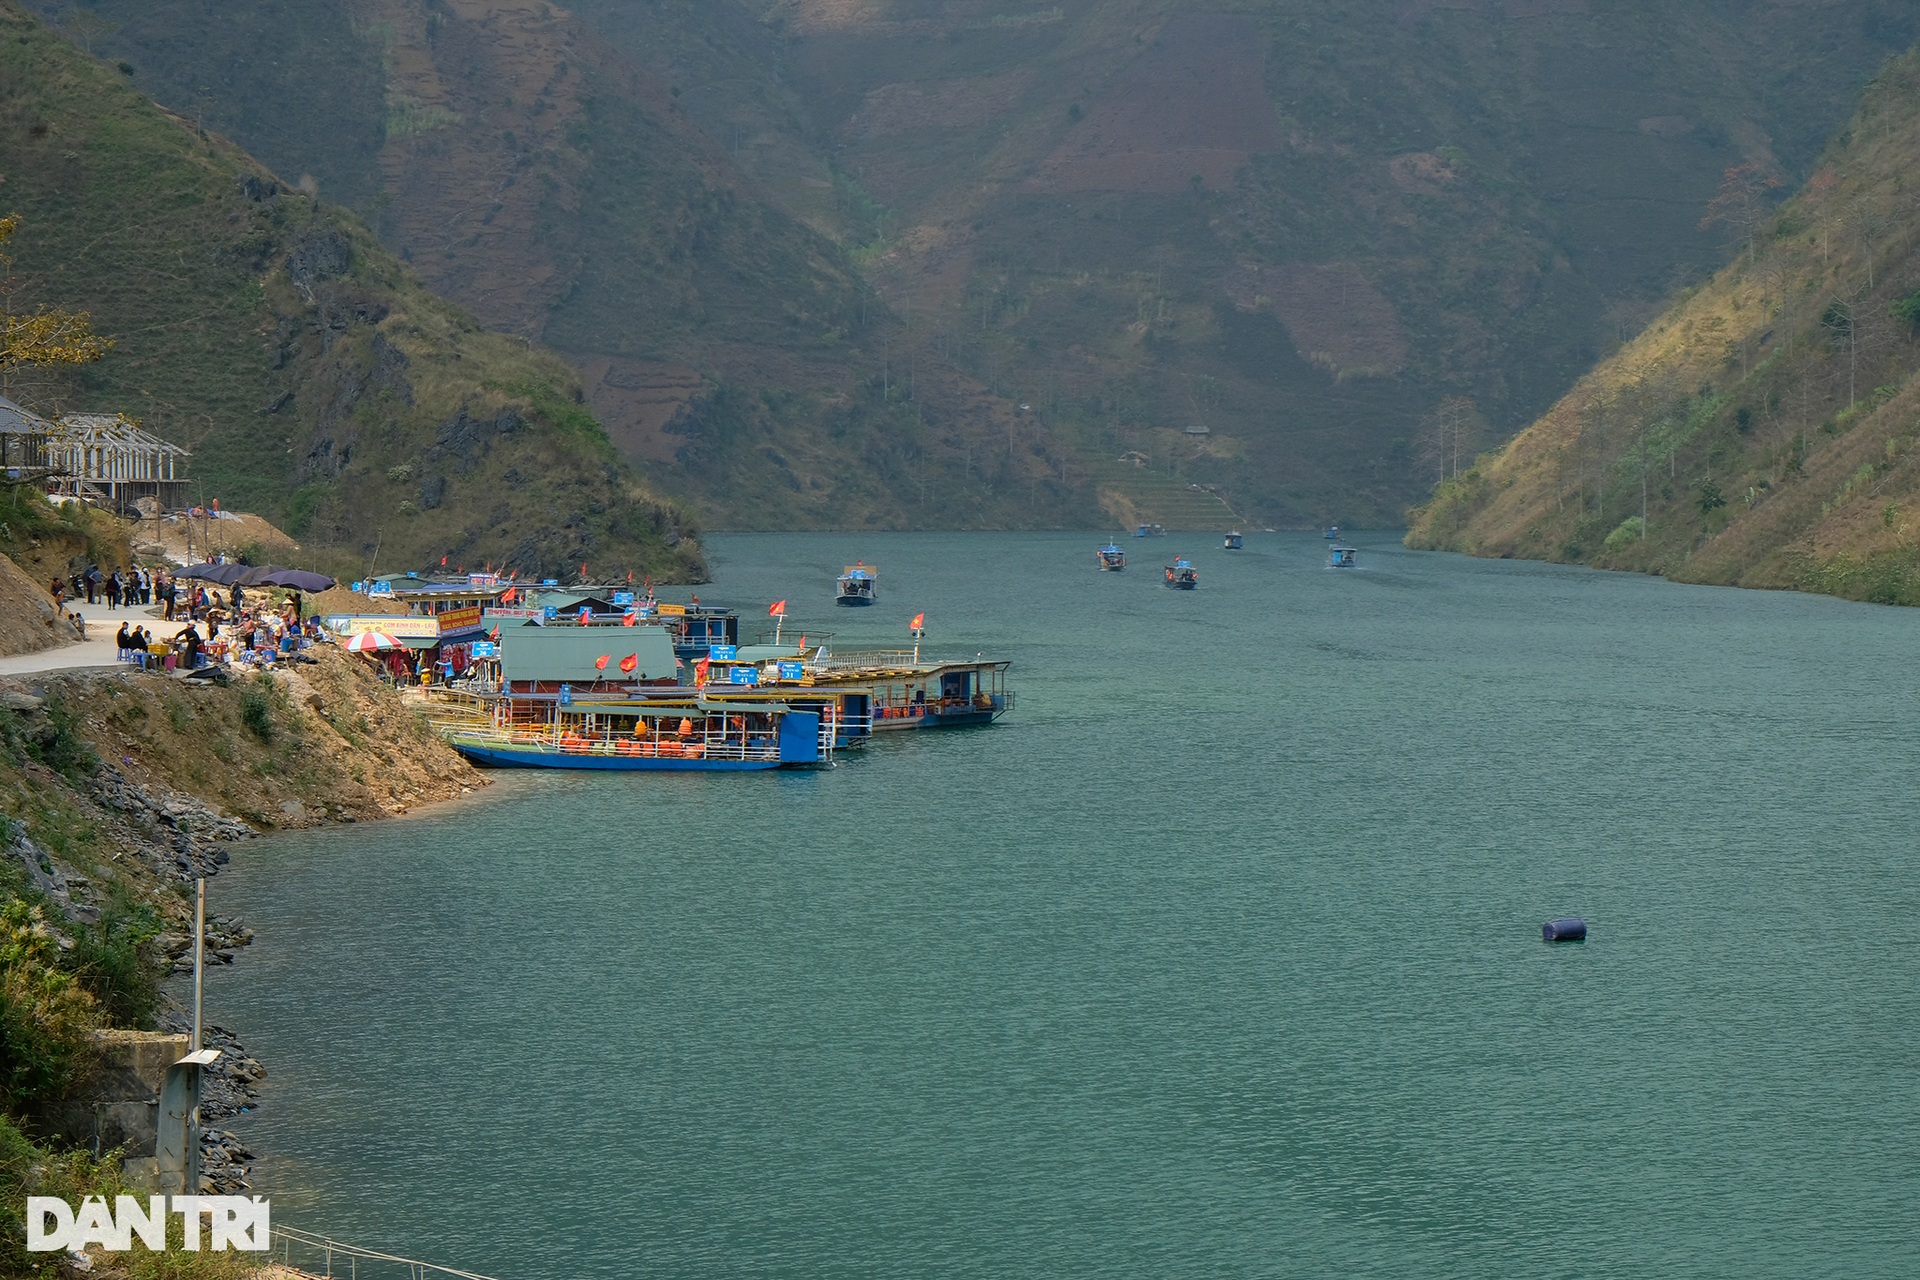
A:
243,637
180,598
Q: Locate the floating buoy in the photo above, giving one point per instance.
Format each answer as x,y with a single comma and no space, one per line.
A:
1565,929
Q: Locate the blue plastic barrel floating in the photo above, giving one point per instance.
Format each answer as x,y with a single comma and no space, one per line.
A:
1565,929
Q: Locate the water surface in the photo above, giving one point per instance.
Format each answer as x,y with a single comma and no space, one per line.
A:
1219,957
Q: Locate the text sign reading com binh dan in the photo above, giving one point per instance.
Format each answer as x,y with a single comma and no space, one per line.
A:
232,1222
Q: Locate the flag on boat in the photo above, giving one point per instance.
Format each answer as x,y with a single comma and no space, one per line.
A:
600,663
443,562
700,673
778,609
631,618
919,620
495,634
586,615
628,663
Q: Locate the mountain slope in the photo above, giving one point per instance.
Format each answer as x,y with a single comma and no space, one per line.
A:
1760,433
311,374
1305,224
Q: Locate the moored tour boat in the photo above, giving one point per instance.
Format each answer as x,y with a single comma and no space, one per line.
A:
1149,531
1233,540
1182,576
1111,558
555,731
859,584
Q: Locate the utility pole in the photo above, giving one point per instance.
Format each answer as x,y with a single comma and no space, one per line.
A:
199,1028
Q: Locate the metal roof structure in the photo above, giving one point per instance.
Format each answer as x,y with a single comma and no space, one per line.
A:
103,457
108,453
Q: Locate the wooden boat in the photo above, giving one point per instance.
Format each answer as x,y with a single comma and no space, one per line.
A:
1182,576
554,731
1111,558
859,584
1233,540
1150,531
1339,557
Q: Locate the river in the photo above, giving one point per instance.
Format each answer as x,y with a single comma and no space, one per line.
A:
1220,956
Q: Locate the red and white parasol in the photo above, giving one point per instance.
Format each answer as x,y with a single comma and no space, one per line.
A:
368,641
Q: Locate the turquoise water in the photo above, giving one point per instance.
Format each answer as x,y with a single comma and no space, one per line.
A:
1220,956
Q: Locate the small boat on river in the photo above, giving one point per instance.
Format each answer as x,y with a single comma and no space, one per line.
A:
859,584
1233,540
1111,558
1182,576
1150,531
1339,557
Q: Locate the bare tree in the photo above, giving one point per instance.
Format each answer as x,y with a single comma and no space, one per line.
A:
1742,203
1450,437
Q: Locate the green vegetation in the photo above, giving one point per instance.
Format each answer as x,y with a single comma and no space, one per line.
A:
30,1168
1765,424
294,355
803,227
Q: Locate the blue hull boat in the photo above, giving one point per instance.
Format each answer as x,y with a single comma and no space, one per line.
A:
516,758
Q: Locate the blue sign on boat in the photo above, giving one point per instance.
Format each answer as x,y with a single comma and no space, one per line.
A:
793,670
722,652
549,582
743,675
566,695
552,611
623,597
485,649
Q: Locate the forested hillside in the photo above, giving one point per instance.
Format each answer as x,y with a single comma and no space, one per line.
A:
311,375
1763,431
946,261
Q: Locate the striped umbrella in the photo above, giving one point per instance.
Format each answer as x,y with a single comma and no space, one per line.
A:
368,641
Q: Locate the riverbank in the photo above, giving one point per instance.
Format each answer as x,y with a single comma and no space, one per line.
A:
118,789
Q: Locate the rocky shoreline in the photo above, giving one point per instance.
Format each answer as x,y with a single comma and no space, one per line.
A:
134,785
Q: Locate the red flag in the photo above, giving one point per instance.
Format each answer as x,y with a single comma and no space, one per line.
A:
778,609
443,561
631,619
506,597
600,663
919,619
628,663
495,637
700,673
583,570
629,577
586,615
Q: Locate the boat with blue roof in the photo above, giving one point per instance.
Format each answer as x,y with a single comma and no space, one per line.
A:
858,584
1110,558
1181,575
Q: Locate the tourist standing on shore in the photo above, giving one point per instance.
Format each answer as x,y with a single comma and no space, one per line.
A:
92,580
111,589
60,594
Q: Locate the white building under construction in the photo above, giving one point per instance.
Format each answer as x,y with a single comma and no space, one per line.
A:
105,459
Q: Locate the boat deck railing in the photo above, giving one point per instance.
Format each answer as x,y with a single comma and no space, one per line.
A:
464,721
557,740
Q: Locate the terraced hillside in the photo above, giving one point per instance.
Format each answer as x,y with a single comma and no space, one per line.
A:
312,376
1762,432
812,256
